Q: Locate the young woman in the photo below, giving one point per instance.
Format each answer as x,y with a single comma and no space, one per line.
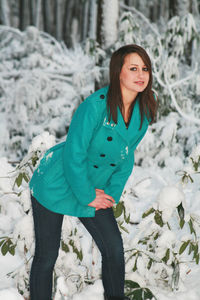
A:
86,175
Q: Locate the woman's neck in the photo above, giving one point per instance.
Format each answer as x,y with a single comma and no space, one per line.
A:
127,99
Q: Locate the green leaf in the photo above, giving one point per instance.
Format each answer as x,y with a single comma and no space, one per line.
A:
75,250
150,263
181,211
156,236
148,212
12,250
123,228
196,249
191,227
2,242
166,257
148,294
190,249
4,249
135,265
131,284
118,210
34,160
197,259
158,219
25,176
18,180
137,294
182,223
183,247
64,247
127,219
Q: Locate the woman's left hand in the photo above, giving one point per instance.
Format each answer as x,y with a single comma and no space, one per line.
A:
102,200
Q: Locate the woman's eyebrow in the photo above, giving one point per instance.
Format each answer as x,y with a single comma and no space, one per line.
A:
137,65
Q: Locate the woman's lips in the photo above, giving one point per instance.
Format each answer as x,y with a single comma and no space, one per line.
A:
139,82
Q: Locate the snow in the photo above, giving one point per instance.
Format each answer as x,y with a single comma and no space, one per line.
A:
41,85
168,199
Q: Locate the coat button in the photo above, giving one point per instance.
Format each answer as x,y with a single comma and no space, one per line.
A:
102,96
95,166
109,138
102,155
112,165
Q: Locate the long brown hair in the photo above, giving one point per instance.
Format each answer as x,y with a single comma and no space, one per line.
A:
147,103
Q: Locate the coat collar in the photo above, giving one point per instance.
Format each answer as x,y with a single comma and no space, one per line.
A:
120,127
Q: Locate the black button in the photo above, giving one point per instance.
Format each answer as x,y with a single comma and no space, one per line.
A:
109,138
102,96
102,155
112,165
95,166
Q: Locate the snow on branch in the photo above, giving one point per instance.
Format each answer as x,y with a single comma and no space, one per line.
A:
145,20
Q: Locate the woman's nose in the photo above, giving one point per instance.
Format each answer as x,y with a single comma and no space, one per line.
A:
140,73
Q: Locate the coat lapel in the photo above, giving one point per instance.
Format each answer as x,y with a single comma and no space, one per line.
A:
120,127
133,130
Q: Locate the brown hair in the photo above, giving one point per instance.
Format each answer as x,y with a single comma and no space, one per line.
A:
147,103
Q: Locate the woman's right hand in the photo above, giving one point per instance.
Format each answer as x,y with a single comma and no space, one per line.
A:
102,200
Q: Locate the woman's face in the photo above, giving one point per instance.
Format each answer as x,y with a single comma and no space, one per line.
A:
134,75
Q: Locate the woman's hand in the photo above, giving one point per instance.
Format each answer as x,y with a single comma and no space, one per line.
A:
102,200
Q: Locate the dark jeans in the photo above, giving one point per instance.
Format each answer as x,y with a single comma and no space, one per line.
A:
104,230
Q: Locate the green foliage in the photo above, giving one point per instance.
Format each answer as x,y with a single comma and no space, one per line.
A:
183,247
64,246
120,210
170,258
166,257
7,246
158,218
181,214
79,253
195,163
135,292
148,212
20,177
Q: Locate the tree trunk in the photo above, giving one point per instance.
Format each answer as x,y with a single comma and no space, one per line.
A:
85,21
93,20
5,13
67,21
99,21
47,16
37,14
59,19
32,12
172,8
21,14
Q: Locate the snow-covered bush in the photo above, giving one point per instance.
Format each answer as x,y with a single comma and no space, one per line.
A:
158,252
42,83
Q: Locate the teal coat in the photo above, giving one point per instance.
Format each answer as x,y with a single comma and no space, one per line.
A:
97,154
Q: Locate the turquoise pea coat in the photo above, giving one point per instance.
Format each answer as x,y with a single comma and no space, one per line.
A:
97,154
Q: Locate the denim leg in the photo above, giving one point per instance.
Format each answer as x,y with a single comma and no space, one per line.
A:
105,232
47,226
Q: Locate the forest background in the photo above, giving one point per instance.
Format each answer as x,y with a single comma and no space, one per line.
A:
53,54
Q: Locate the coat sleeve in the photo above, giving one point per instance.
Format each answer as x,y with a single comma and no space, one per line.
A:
119,178
79,136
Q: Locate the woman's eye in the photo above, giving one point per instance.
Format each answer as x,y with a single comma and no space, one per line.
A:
145,69
133,69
